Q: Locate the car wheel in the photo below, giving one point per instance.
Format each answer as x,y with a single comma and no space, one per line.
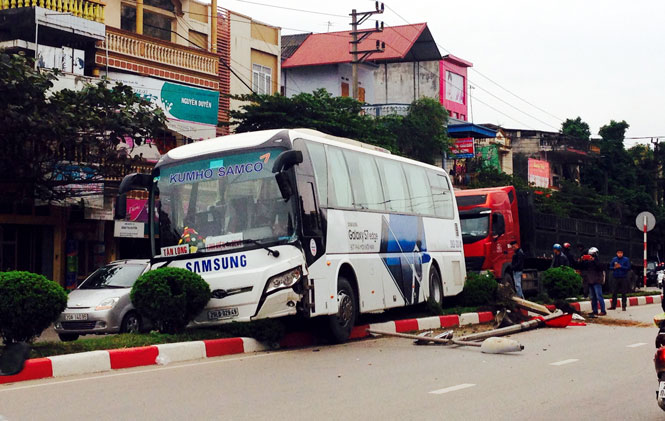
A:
131,323
341,324
68,337
435,286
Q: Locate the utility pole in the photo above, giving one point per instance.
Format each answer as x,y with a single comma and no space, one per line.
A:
357,36
657,195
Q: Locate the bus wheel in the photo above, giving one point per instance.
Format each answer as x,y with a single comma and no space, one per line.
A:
435,286
341,324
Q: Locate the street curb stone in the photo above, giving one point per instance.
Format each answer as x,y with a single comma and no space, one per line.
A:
101,361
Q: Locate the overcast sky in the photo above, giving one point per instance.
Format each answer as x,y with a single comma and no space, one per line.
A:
597,59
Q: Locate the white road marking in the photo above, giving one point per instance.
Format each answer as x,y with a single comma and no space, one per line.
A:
572,360
452,389
155,368
635,345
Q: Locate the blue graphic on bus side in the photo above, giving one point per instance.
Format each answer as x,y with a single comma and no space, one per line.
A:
217,263
404,247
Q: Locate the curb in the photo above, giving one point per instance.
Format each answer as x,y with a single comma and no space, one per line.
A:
114,359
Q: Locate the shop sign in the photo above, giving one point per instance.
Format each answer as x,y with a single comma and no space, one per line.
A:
463,148
127,229
539,173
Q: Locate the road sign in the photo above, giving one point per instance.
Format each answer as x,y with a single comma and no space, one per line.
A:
651,221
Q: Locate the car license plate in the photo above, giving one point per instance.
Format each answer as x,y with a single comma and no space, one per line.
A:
76,316
223,313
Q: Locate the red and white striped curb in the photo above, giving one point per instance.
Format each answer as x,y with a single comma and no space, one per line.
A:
585,306
100,361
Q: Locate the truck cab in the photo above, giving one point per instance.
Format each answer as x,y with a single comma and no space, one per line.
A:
489,220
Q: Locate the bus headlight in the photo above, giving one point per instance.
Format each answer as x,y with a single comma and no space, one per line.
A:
284,279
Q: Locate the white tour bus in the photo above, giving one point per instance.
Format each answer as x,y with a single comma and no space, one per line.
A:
283,222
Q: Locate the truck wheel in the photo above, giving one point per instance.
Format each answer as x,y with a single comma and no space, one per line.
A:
508,280
341,324
435,285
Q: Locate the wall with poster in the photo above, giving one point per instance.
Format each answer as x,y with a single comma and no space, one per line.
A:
539,173
190,111
489,156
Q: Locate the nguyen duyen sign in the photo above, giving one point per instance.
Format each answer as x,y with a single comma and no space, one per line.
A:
190,111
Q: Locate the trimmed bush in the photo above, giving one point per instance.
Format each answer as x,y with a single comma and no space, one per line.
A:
29,303
170,297
562,282
479,289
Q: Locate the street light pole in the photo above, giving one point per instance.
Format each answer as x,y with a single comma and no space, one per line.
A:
357,36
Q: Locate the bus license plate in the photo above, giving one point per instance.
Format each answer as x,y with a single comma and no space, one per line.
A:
223,313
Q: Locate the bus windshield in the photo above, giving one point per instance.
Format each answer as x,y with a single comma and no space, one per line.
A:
221,203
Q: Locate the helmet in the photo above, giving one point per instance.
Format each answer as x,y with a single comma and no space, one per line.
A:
556,246
593,250
566,245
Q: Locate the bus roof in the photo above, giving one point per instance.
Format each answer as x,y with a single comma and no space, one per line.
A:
251,139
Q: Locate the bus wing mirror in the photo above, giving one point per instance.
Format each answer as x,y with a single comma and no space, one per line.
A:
286,160
284,184
135,181
120,212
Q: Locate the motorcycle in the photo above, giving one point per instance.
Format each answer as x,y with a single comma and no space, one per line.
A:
659,359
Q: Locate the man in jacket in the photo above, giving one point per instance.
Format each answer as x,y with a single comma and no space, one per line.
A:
592,271
559,259
518,267
620,266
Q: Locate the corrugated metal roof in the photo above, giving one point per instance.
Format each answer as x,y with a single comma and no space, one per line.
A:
290,43
334,47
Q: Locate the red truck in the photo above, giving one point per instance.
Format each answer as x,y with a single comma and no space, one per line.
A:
492,218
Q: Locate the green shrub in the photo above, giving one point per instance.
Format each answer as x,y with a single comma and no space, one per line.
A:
561,282
29,303
170,297
479,289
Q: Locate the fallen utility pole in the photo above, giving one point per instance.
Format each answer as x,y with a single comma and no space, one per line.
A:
531,306
423,338
531,324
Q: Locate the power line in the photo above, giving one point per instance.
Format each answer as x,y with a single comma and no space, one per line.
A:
292,9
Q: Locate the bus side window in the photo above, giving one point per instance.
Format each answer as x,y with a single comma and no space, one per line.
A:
318,158
310,216
443,203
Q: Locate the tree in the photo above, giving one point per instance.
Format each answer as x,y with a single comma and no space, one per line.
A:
54,142
419,135
576,129
423,135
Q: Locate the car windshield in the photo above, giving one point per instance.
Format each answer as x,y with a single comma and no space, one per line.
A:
221,203
474,227
113,276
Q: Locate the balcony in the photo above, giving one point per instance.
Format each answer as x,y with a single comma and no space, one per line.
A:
136,46
379,110
87,9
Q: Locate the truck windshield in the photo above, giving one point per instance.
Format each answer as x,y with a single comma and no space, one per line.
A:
221,203
475,227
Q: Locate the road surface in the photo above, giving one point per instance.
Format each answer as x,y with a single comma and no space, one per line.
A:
597,371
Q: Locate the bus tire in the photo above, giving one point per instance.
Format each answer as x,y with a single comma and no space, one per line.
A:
435,285
341,324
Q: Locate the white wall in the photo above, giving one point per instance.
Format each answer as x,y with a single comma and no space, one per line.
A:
406,82
310,78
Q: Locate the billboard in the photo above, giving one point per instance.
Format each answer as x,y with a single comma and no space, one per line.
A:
463,148
539,173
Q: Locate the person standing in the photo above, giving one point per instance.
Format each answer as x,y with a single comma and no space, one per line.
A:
568,252
559,259
592,271
620,266
518,267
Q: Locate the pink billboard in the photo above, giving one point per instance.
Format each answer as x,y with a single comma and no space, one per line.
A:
539,173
